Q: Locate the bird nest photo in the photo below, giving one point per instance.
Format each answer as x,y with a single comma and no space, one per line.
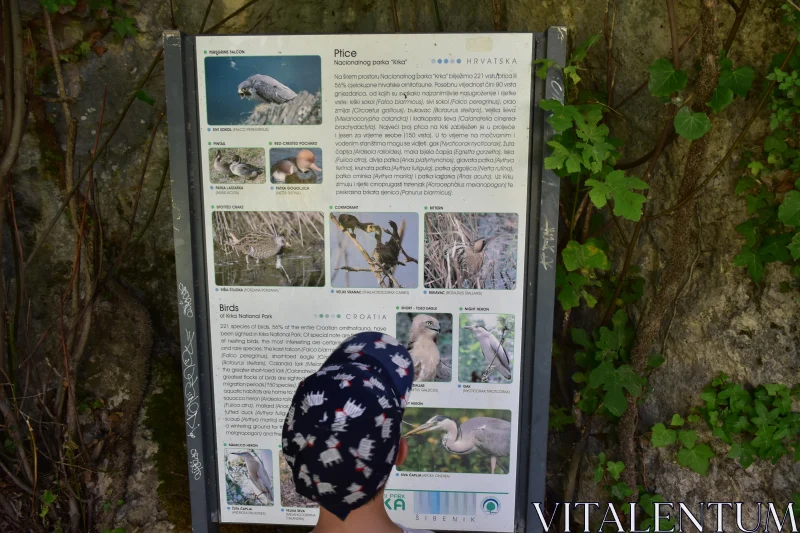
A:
374,250
269,248
485,348
429,339
248,477
236,166
263,90
468,441
295,166
471,250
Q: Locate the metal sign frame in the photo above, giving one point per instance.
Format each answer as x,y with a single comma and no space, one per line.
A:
192,295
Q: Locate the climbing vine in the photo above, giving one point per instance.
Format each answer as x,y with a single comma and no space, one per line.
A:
603,366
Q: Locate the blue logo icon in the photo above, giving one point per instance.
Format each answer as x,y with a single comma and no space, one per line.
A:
490,506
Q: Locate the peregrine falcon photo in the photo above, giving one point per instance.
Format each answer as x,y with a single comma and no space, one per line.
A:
263,90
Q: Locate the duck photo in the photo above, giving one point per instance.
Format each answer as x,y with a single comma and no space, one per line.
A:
269,248
263,90
237,166
295,166
471,250
374,250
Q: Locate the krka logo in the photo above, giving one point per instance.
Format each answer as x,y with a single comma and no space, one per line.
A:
490,506
395,502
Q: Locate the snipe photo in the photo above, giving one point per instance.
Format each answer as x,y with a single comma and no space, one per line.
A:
471,250
269,248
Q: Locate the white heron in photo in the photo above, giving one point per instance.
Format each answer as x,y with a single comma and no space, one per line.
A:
258,476
493,351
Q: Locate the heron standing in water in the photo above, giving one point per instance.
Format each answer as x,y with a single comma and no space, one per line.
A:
483,435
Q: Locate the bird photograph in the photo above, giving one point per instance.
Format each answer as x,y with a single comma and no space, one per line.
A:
248,479
295,166
269,248
237,166
485,348
474,441
374,250
471,251
429,340
263,90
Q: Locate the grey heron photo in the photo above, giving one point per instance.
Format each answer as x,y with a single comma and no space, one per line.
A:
429,339
474,441
269,248
485,348
263,90
295,166
248,477
237,166
471,250
374,250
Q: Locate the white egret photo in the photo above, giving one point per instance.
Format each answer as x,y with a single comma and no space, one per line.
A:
263,90
485,348
248,477
237,166
469,441
429,339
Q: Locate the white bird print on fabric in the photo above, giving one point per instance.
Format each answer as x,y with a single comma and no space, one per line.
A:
265,89
304,475
355,493
311,399
402,364
323,487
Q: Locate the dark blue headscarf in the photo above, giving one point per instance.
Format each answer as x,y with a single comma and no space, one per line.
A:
342,430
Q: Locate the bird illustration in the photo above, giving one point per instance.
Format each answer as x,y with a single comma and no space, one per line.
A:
258,246
222,167
244,170
483,435
386,254
422,347
298,169
493,351
351,223
265,89
258,476
469,260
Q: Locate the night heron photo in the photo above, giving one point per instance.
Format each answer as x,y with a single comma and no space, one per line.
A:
493,351
258,476
483,435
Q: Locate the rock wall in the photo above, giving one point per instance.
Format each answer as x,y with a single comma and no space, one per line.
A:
723,322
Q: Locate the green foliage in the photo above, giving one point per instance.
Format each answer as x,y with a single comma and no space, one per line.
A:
627,203
48,498
52,6
125,27
691,125
144,97
732,81
665,79
581,263
573,64
559,418
584,256
697,457
662,436
647,503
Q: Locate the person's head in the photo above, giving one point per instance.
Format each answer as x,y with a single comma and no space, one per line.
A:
341,436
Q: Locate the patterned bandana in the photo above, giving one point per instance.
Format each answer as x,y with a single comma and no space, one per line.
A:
342,430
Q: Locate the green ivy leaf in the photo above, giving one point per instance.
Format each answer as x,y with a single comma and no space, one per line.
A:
663,436
794,247
562,116
615,468
655,360
738,80
775,248
579,256
144,97
691,125
544,64
789,211
621,490
677,421
749,229
697,458
52,6
721,99
572,288
125,26
755,167
748,258
617,186
613,381
688,438
665,79
580,51
563,157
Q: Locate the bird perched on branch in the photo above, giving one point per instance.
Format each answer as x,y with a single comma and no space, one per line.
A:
351,223
221,167
386,254
258,475
483,435
493,351
265,89
258,246
469,259
298,169
244,170
422,347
